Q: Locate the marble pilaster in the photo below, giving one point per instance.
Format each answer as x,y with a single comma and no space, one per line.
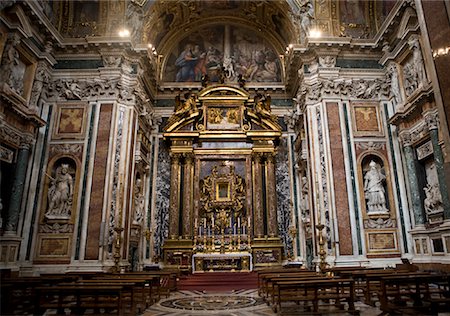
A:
174,196
258,216
187,196
271,197
17,188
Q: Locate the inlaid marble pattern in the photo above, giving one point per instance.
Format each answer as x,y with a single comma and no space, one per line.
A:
283,196
162,198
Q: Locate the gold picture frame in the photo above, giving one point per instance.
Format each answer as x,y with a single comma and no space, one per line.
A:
223,191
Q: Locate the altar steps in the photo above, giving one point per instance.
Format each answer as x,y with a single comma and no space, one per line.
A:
219,281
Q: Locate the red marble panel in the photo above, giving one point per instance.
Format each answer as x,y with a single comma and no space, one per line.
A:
339,176
98,183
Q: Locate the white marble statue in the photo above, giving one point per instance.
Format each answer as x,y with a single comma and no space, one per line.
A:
306,15
395,87
139,202
374,190
417,61
60,194
433,199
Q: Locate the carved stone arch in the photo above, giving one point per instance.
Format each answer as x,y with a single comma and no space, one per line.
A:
364,163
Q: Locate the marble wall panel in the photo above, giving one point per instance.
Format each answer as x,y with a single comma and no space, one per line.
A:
161,220
98,182
284,196
339,176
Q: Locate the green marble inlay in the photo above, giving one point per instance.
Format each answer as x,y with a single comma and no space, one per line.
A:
352,174
78,64
397,186
83,190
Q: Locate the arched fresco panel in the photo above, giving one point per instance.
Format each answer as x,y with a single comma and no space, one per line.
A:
223,50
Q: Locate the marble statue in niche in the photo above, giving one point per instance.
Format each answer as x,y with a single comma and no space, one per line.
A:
374,191
433,199
139,202
60,194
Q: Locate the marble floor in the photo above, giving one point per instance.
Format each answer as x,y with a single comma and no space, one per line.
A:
236,303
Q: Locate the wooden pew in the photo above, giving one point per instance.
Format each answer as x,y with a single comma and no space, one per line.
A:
80,297
314,290
267,281
399,293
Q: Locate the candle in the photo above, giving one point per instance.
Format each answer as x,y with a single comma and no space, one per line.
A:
243,230
200,232
234,229
248,222
239,222
231,222
195,222
212,220
204,222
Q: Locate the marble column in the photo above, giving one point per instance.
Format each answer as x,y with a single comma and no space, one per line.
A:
15,201
432,122
416,203
174,196
272,226
188,188
258,206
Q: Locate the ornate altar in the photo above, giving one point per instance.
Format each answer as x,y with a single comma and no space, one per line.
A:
222,212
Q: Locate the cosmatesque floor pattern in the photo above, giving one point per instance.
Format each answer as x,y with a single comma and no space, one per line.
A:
237,303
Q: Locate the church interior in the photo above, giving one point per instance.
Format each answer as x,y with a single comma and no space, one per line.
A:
155,140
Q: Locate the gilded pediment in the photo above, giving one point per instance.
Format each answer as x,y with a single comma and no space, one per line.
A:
222,110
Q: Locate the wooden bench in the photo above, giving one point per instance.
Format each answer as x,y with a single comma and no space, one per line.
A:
416,291
80,297
315,290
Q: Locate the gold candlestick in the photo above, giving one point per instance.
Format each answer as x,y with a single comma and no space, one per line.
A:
322,251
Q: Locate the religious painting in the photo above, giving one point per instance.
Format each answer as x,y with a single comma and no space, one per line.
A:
366,119
70,122
353,16
223,118
223,191
382,9
381,241
223,53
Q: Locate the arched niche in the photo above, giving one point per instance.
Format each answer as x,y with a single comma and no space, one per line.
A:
61,190
375,188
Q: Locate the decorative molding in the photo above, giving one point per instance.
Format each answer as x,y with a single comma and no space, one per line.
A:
380,223
6,154
373,146
66,148
368,89
56,228
15,138
424,150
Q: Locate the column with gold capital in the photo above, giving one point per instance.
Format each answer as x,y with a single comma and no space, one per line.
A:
272,226
188,190
174,216
258,205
